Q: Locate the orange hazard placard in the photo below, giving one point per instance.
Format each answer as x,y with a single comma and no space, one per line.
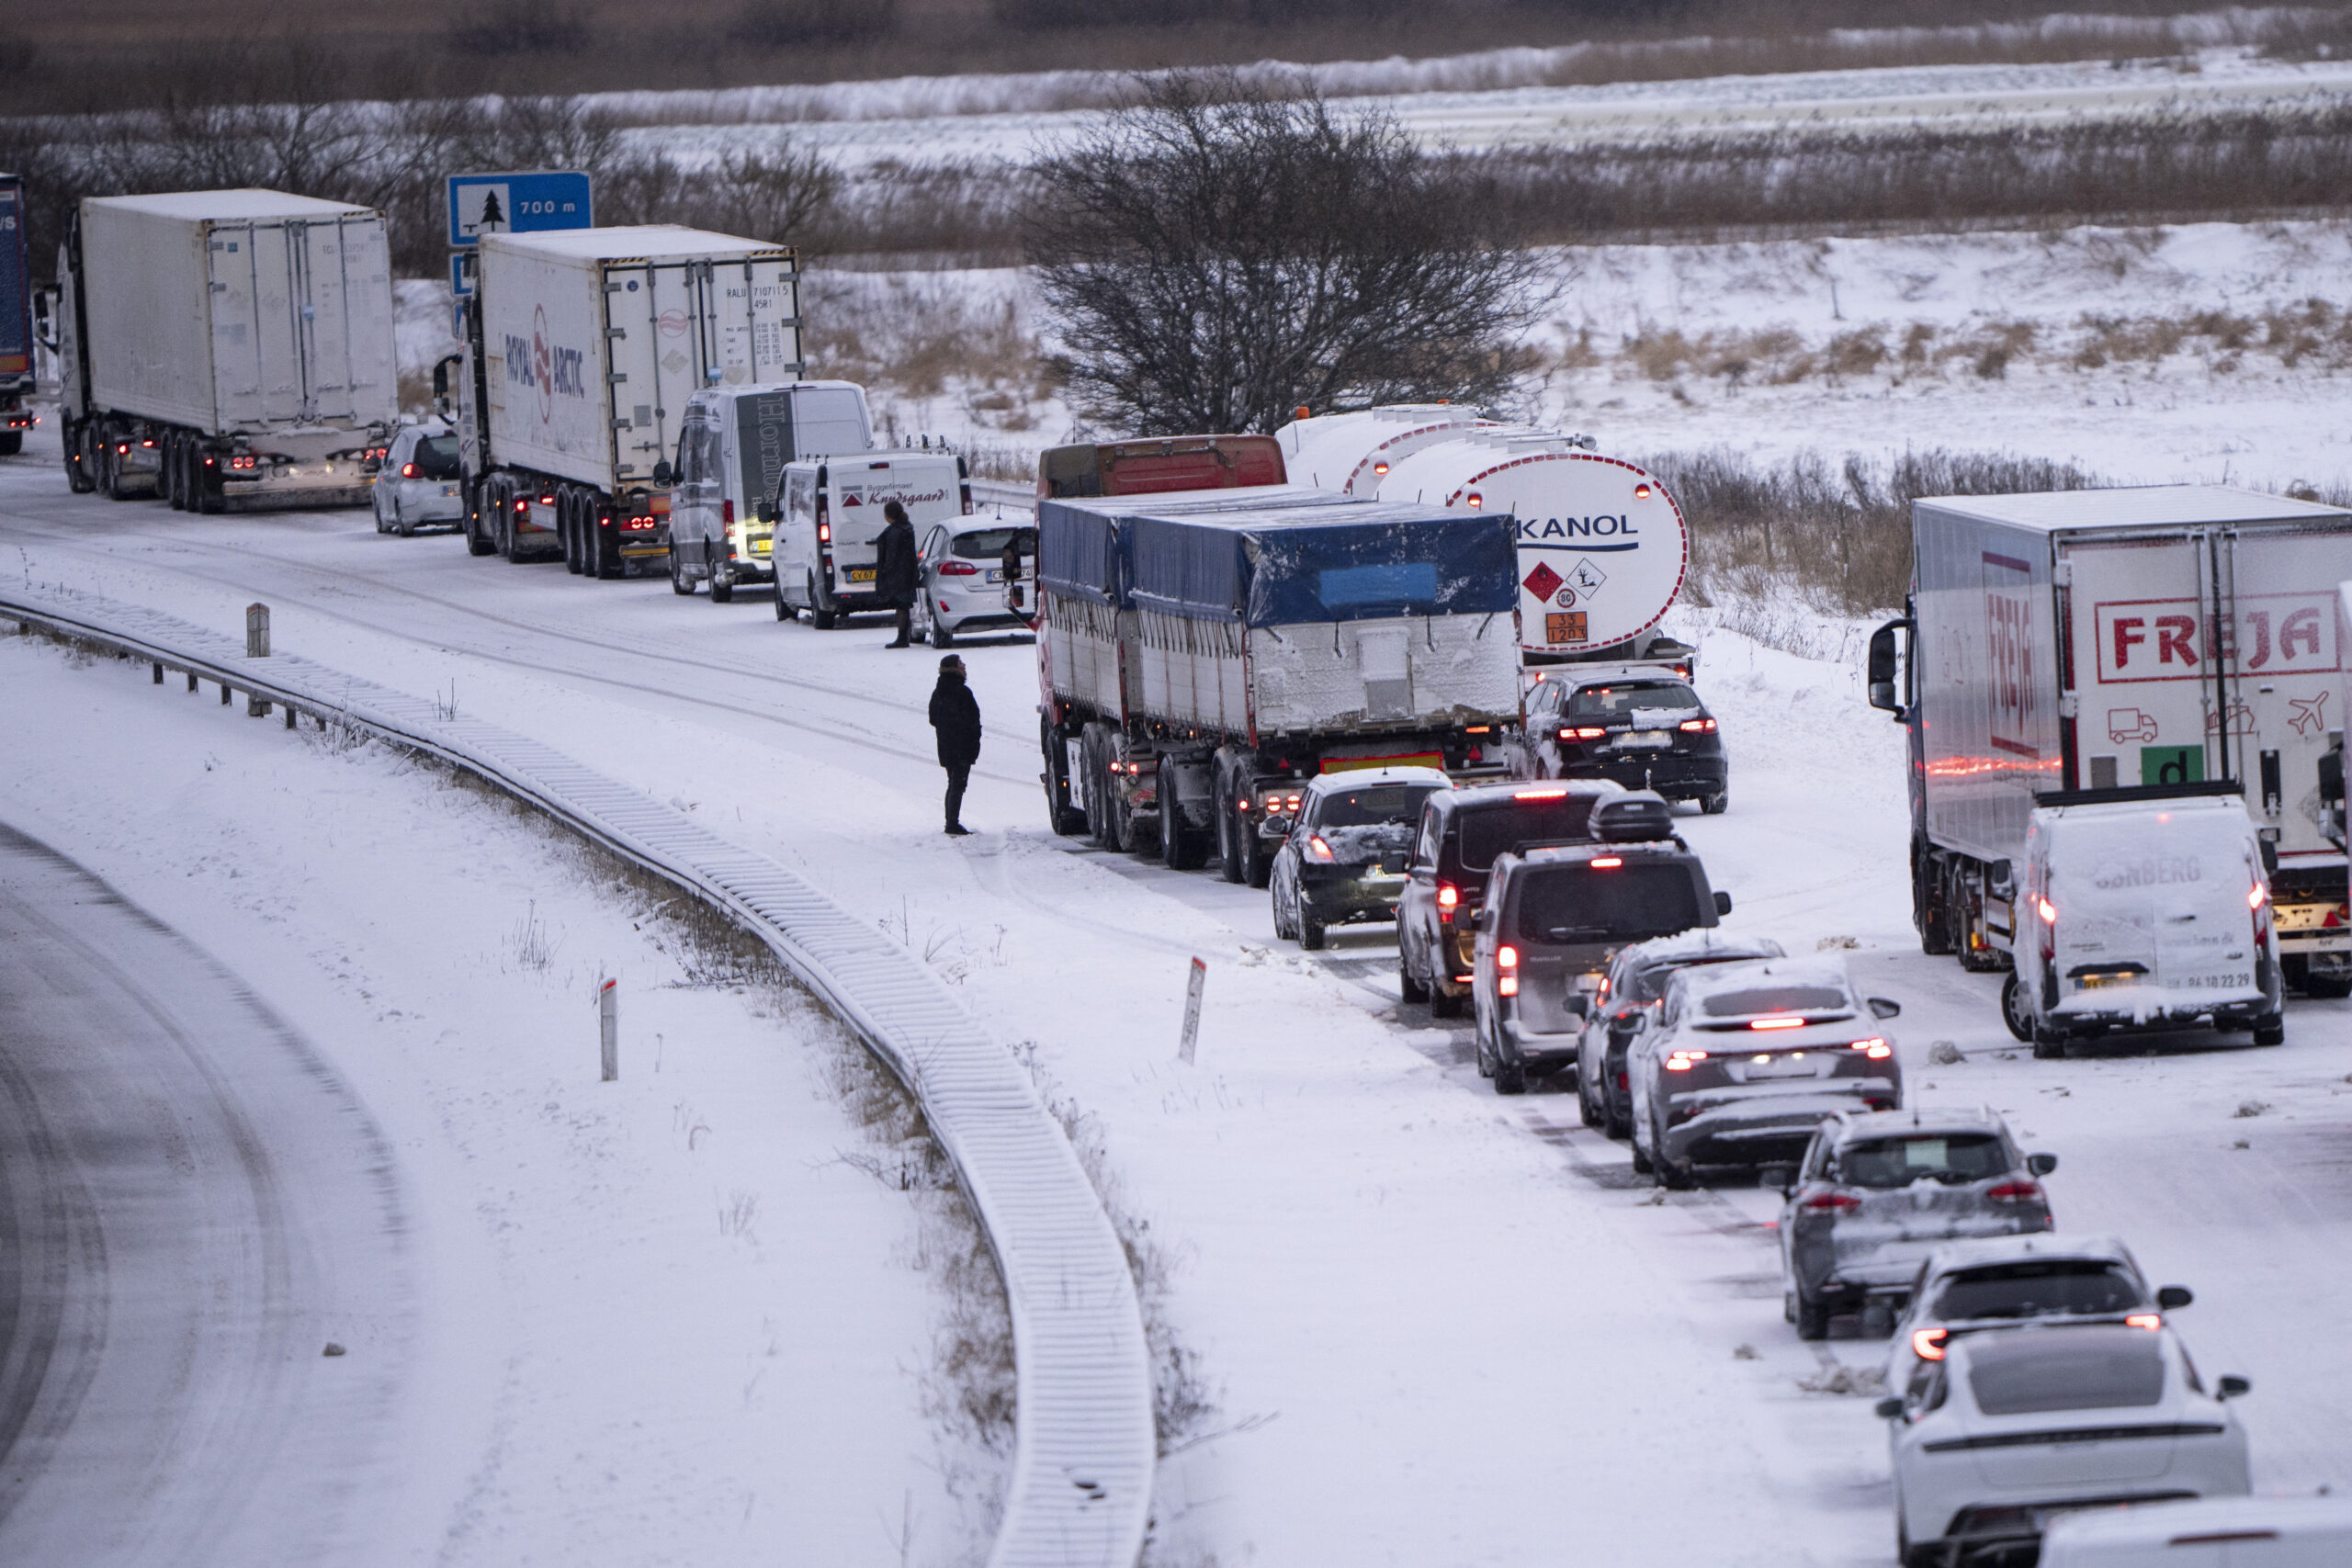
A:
1569,627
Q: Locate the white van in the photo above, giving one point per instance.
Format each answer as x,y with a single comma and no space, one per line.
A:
831,516
2215,1532
2142,908
733,444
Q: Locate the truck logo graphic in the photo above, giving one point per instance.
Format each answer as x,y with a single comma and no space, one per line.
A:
1537,531
1543,581
2128,724
2172,639
2310,715
544,367
2008,651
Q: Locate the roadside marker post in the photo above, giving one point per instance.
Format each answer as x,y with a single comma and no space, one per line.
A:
1193,1010
608,1027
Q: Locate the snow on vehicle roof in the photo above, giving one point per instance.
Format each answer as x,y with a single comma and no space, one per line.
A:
2090,1367
2147,506
1641,848
1783,972
228,206
757,388
1928,1119
648,242
2161,1524
1691,946
1469,795
1355,778
1985,1251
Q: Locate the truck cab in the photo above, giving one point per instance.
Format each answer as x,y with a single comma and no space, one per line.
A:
733,445
828,516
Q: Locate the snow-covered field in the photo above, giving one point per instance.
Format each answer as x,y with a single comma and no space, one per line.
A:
1434,1327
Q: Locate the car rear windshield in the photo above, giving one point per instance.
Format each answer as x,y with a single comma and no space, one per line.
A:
1899,1162
2041,1288
1495,827
1632,694
988,544
1375,803
1630,903
437,457
2077,1369
1791,998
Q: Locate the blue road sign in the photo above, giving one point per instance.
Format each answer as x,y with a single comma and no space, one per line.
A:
461,274
516,204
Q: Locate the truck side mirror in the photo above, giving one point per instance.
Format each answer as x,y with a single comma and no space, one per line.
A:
1723,903
441,380
662,472
45,318
767,512
1886,669
1578,1008
2171,1298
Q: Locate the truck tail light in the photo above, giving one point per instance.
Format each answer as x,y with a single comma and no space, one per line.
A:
1928,1344
727,514
523,503
1474,501
1680,1061
2256,897
958,568
1505,957
2047,910
2014,1191
1876,1050
824,533
1832,1202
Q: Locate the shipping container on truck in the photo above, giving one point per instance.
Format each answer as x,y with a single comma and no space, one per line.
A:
226,349
1202,654
2113,640
582,349
1602,545
15,320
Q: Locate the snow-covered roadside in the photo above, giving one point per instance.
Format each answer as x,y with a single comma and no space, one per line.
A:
675,1318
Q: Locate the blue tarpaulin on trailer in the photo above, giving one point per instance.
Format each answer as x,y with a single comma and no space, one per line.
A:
1355,561
1079,553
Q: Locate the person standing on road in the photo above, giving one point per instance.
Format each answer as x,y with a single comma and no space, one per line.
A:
894,568
956,713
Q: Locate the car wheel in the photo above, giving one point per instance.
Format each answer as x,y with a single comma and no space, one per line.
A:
2017,1007
1510,1077
400,524
1586,1112
722,587
941,636
784,612
381,525
1716,805
1281,917
1813,1318
1617,1120
1412,991
2270,1030
1674,1173
1642,1166
1310,931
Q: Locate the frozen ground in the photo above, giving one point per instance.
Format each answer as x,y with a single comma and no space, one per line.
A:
669,1319
1436,1327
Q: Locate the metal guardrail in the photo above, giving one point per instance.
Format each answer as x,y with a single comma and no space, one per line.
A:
1080,1494
995,492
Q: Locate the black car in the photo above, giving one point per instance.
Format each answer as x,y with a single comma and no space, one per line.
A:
1343,860
1461,831
1635,982
1555,917
1639,726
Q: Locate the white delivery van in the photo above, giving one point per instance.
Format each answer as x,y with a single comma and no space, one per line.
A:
830,517
2142,908
2212,1532
733,444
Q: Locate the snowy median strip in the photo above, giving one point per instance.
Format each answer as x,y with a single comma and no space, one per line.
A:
1081,1489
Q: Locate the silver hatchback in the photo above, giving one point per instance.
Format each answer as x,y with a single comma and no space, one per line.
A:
418,485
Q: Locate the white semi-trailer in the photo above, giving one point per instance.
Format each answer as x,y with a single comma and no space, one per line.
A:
2098,643
582,349
226,349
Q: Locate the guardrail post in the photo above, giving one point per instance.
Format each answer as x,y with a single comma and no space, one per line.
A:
225,694
192,682
256,631
608,1027
159,673
289,715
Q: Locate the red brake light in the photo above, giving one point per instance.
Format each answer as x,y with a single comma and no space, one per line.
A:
1474,501
1827,1201
2047,910
2257,895
957,569
1448,897
1584,732
522,504
824,533
1698,724
1776,1023
1928,1344
1505,957
1606,863
2014,1191
1876,1050
727,511
408,470
1540,794
1319,851
2147,1320
1680,1061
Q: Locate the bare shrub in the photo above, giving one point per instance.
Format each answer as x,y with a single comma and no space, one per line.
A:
1206,261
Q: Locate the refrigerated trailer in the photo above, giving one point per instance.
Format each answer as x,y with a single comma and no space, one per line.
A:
1200,654
2110,641
226,349
15,320
582,349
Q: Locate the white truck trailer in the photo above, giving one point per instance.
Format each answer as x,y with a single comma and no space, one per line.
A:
1602,545
2108,641
226,349
583,348
1203,653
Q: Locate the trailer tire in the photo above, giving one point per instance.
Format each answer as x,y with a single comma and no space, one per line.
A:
1927,893
174,493
1098,809
1067,820
209,501
1182,846
11,443
607,555
78,478
478,540
573,565
1228,828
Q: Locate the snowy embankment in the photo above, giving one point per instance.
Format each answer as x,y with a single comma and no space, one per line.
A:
671,1318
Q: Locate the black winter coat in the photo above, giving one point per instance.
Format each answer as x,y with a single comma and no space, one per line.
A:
894,564
956,713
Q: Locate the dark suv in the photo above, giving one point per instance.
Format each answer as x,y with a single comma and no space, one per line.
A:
1553,919
1640,726
1461,831
1633,988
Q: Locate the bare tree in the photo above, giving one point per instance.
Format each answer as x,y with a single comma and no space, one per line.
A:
1215,256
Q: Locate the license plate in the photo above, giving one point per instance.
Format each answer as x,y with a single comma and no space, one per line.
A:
996,574
760,546
448,489
1781,1067
861,574
2210,980
1645,740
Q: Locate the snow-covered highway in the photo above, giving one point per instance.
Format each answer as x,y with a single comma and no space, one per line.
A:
1438,1327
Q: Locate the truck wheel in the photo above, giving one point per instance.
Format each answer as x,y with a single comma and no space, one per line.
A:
1257,865
2049,1044
1935,917
78,469
1090,761
1228,830
1068,821
605,551
2017,1007
820,618
209,501
11,443
174,487
722,587
109,474
1177,843
683,586
573,565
